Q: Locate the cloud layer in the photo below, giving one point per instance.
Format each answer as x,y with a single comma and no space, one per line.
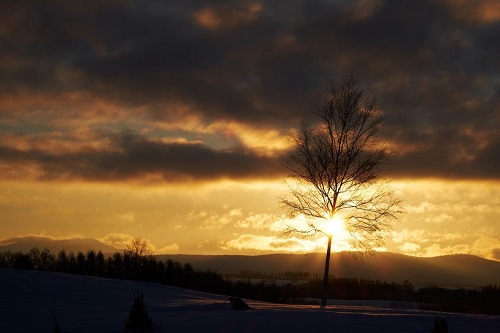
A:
113,90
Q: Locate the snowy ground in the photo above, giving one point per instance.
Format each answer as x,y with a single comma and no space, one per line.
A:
89,304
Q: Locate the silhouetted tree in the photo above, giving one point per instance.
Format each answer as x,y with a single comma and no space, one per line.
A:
139,320
80,260
20,260
90,264
62,263
73,264
115,265
100,263
333,170
3,260
46,260
138,247
34,258
484,300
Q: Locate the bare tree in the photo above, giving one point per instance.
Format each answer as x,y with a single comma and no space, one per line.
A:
138,247
334,171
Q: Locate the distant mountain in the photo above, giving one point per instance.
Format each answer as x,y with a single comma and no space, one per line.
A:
24,244
458,270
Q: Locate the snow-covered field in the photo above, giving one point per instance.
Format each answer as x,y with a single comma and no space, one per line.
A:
90,304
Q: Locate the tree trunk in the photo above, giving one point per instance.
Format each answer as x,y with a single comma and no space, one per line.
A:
327,269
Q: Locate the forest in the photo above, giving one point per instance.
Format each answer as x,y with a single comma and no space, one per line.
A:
302,287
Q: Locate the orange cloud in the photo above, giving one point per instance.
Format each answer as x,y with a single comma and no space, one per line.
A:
271,244
261,140
172,248
363,9
57,143
217,221
17,171
409,247
227,16
485,247
437,250
473,11
258,221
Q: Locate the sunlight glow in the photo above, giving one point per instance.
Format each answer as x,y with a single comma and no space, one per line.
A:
336,227
340,235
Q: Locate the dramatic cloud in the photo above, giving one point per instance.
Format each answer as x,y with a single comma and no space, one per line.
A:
254,64
172,118
271,244
117,240
138,157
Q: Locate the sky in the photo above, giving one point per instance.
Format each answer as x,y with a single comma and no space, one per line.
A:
169,120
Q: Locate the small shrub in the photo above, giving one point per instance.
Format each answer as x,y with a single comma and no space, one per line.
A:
138,320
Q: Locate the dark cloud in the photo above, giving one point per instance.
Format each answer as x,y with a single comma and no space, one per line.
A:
135,157
434,72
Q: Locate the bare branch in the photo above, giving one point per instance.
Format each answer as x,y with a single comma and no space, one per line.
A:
334,168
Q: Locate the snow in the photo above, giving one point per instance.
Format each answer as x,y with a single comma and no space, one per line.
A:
91,304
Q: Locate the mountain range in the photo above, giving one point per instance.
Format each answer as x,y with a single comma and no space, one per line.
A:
455,271
458,270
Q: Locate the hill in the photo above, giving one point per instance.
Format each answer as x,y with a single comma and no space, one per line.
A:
460,270
33,301
24,244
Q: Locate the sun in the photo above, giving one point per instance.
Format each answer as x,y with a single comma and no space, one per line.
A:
340,235
335,226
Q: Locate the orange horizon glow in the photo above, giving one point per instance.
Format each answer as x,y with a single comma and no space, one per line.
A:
229,217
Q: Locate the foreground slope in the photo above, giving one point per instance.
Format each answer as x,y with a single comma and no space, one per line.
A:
90,304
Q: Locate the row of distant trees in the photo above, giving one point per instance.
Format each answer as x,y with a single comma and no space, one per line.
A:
126,265
137,264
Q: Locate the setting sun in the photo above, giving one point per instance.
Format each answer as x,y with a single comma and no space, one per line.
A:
335,227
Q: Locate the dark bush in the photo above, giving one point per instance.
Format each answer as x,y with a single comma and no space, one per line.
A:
138,320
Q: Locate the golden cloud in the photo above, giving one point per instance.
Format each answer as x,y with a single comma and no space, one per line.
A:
58,143
271,244
117,240
437,250
212,220
485,247
258,221
264,141
25,171
172,248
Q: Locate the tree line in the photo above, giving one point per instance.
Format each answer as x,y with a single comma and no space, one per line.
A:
134,265
286,275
